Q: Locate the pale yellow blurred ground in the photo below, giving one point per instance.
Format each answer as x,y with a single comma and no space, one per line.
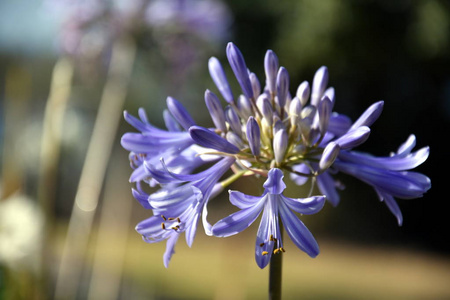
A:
216,268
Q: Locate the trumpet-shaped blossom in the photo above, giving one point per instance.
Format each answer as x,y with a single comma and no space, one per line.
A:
262,132
276,207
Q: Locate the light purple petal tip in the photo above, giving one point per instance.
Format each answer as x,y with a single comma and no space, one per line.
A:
218,75
369,116
319,84
353,138
179,113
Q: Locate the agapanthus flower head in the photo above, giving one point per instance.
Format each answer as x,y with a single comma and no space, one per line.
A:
263,132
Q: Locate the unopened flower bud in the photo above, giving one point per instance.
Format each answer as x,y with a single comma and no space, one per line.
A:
237,63
218,76
303,92
271,68
282,86
319,84
233,119
329,155
215,110
280,143
253,136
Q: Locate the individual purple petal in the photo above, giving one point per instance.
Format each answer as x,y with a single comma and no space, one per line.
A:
274,183
264,244
406,185
392,205
242,200
138,174
369,116
170,248
301,168
179,113
327,186
237,221
215,110
164,198
253,136
237,63
306,206
171,123
192,229
339,124
282,86
140,143
319,84
407,146
271,68
395,162
207,138
143,115
297,231
218,75
136,123
216,190
165,176
353,138
142,198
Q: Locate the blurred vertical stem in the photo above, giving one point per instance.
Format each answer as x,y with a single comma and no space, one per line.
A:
18,84
275,271
60,89
94,168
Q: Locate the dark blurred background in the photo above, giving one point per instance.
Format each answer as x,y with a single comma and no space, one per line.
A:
60,59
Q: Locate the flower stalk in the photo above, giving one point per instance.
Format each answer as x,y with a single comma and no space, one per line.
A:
275,274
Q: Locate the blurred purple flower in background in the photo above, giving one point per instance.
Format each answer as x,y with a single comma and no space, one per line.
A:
177,27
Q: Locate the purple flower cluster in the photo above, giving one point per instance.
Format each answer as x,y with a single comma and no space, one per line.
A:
264,132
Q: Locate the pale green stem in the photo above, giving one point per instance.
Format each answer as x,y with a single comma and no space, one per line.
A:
232,178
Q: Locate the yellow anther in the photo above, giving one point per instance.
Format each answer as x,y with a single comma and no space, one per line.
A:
265,253
271,238
262,244
276,251
175,227
282,249
171,219
163,226
178,220
164,218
